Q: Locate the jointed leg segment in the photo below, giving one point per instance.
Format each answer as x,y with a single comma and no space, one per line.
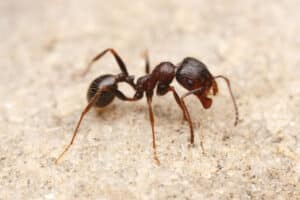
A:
189,117
177,99
116,56
84,112
147,61
151,116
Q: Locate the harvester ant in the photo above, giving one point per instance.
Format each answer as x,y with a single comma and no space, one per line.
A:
191,73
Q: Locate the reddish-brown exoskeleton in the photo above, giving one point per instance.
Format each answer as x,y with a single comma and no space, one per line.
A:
192,74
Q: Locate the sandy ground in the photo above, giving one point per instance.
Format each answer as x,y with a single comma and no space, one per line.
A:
255,43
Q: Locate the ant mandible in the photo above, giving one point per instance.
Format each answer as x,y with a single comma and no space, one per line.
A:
192,74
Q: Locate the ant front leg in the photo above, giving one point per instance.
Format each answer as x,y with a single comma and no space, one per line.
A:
116,56
151,116
177,99
189,117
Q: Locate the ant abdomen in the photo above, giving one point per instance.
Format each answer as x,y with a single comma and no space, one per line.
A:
107,83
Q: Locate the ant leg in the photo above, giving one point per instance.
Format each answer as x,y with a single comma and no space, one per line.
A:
151,116
172,89
116,56
232,97
84,112
121,96
147,61
189,117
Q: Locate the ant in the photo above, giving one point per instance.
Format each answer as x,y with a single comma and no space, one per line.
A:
191,73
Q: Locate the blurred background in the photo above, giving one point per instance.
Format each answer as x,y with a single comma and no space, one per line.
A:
254,43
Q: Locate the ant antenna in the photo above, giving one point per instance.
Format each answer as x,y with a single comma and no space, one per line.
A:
232,97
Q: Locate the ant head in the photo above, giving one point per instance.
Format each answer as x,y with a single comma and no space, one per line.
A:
192,74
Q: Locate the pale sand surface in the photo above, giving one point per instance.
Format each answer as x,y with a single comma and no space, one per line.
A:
255,43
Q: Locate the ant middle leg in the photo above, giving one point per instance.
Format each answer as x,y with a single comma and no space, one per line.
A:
145,55
151,116
119,60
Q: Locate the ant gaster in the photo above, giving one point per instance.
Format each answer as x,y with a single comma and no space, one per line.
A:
192,74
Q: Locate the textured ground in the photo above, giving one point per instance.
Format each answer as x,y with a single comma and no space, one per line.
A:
255,43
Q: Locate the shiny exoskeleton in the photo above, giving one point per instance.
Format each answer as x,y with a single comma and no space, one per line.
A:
191,73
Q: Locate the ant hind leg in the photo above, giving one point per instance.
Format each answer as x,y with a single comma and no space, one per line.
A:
119,60
84,112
